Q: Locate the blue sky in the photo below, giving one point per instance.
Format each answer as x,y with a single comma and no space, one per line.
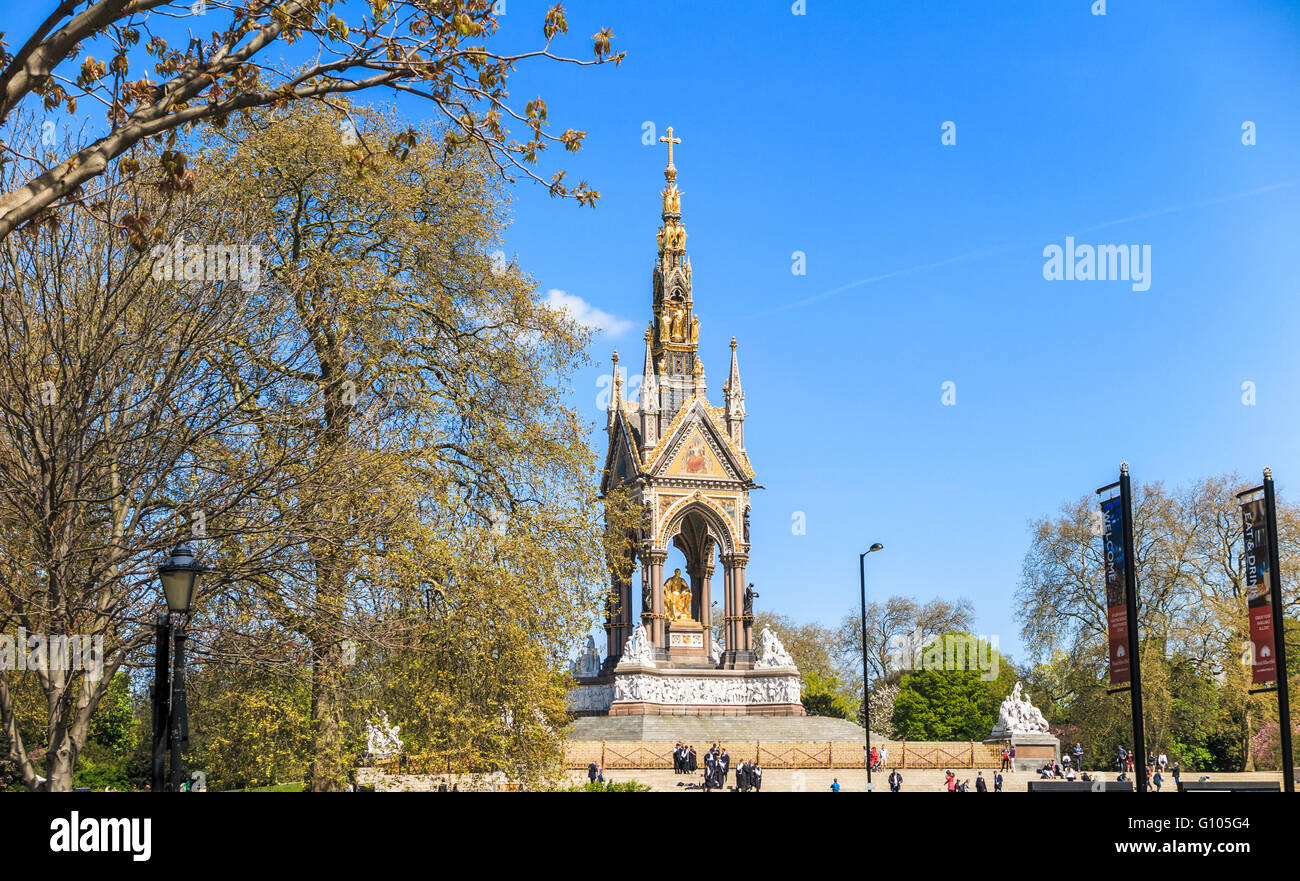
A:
821,133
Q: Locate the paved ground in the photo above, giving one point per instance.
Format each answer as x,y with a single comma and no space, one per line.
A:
775,780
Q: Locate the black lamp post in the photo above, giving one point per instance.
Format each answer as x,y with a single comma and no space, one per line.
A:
179,575
866,705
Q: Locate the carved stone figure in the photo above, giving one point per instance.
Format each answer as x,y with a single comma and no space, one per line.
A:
637,649
589,698
677,329
771,653
383,740
588,663
656,688
672,200
1018,716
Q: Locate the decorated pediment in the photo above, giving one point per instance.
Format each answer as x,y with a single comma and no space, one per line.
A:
695,449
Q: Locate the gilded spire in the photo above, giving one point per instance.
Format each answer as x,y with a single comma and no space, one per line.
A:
670,173
672,235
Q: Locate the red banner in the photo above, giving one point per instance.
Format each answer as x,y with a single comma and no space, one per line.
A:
1112,511
1259,591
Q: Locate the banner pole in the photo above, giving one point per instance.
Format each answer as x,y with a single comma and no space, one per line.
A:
1131,603
1279,637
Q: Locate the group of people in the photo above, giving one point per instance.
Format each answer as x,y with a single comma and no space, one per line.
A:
952,784
717,767
1062,770
1156,768
684,759
878,757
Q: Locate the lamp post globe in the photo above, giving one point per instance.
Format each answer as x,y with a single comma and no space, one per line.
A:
180,578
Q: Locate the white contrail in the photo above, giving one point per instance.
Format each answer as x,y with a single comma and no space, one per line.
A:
1012,246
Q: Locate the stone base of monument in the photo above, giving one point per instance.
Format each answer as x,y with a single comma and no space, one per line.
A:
640,690
686,679
1033,750
686,642
1020,724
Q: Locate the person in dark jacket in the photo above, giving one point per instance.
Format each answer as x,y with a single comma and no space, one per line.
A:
980,785
895,781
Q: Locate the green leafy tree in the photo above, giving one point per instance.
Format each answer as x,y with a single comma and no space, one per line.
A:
249,727
822,697
941,702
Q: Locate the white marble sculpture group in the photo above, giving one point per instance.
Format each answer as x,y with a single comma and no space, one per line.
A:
588,663
383,740
637,679
1018,716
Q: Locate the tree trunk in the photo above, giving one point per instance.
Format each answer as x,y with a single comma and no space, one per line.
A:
1248,764
328,772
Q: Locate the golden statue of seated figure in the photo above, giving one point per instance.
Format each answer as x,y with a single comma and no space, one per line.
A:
677,597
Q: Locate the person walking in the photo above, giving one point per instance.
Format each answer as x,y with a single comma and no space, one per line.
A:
592,770
1078,757
997,782
1157,779
1177,772
895,781
980,785
756,774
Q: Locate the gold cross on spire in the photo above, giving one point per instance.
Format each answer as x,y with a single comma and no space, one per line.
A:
670,140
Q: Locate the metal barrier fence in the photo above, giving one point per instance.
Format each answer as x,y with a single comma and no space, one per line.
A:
641,755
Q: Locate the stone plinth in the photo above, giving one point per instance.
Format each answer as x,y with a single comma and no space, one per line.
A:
689,682
687,642
640,690
1033,749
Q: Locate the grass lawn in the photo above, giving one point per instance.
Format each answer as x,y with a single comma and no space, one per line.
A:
277,787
